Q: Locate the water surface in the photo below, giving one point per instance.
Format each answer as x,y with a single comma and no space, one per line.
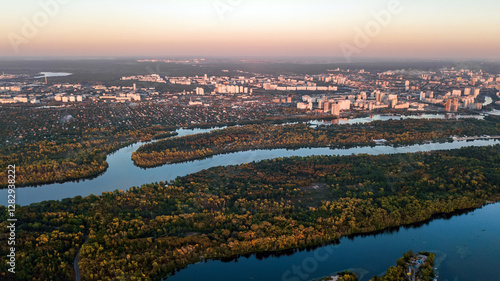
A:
123,174
467,248
53,74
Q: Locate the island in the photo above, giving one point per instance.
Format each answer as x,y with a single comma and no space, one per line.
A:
151,231
410,267
294,136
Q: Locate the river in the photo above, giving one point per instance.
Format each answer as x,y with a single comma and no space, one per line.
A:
467,248
467,245
123,174
342,121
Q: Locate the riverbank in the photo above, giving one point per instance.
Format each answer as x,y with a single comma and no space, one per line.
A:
123,174
295,136
254,207
457,138
370,255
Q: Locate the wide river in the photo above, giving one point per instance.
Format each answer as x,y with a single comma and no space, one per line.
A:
122,174
468,246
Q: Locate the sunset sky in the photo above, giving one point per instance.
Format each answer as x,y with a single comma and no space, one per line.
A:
420,29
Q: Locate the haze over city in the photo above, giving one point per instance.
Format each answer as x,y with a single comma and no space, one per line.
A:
414,29
224,140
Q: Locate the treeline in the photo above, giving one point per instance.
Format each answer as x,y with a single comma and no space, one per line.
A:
410,266
149,232
267,136
70,157
342,276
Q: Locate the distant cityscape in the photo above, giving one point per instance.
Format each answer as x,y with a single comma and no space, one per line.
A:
331,93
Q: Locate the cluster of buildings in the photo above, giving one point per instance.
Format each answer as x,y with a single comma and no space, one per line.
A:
329,93
330,105
154,78
335,103
37,92
450,90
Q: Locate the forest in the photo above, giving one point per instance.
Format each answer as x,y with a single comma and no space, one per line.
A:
70,157
293,136
149,232
57,144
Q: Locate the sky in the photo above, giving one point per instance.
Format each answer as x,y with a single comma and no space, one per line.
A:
429,29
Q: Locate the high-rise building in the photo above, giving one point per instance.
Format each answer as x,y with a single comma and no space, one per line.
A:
321,104
344,104
454,105
200,91
310,106
302,105
393,103
392,100
327,106
477,91
335,109
380,97
447,106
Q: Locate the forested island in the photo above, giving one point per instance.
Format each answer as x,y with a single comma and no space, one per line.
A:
293,136
409,267
149,232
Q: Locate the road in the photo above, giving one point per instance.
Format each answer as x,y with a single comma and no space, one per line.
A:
75,262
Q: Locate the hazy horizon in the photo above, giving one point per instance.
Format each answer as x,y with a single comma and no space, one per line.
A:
390,29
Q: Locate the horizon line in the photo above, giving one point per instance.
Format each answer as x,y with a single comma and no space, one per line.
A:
332,59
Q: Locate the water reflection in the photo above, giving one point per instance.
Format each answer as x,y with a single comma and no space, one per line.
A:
466,244
123,174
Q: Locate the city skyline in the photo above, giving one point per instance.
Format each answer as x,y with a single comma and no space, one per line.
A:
388,29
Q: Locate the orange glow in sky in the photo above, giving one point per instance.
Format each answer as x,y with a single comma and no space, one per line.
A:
420,29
